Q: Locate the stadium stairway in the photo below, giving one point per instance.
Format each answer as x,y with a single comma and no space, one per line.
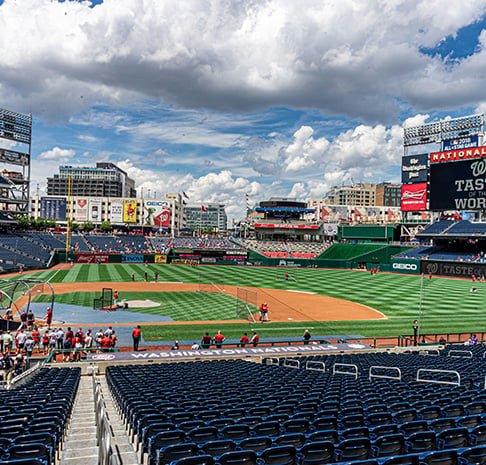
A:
81,444
120,441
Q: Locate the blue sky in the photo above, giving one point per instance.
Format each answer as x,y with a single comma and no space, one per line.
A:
223,98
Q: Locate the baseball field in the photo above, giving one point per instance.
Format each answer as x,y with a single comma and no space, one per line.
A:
327,302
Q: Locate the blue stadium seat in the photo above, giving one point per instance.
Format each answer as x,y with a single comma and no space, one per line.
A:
316,453
389,445
441,457
240,457
281,455
476,455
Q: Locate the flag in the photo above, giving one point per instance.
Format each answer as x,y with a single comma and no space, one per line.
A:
185,195
203,208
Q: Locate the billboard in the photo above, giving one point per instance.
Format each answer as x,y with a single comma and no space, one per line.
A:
414,197
457,155
53,208
116,211
130,211
81,210
94,210
458,186
156,213
414,168
460,143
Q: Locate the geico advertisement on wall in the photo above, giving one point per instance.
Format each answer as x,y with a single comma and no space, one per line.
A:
406,266
156,213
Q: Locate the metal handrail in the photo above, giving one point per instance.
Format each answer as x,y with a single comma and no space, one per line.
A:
437,381
467,353
290,363
336,372
371,375
315,362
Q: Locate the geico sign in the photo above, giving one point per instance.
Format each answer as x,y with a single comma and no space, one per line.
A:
405,266
154,203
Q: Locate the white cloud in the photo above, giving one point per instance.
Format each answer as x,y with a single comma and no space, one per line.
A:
352,57
57,153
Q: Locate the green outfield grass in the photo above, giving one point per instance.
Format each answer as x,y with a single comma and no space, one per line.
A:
447,304
180,306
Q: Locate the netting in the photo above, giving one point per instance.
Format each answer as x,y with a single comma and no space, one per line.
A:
246,303
105,302
211,281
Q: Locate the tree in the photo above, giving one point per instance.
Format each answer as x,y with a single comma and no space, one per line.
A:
106,226
87,226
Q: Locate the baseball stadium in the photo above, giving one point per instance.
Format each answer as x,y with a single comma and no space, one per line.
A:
345,338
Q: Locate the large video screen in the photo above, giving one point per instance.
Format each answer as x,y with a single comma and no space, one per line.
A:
459,185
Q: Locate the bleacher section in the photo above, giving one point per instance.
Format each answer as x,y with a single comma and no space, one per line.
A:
238,412
20,249
287,249
436,228
34,416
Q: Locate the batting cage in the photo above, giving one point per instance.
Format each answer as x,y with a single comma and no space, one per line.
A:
17,294
211,281
246,303
105,302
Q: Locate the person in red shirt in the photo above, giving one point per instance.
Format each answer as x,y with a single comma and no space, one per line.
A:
244,340
49,317
45,342
254,339
219,339
36,338
136,336
106,344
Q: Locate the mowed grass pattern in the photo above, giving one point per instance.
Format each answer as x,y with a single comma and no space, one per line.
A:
180,306
447,304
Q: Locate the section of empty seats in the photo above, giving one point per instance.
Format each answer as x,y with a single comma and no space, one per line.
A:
34,416
220,409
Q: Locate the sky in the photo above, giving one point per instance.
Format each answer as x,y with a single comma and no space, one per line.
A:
221,99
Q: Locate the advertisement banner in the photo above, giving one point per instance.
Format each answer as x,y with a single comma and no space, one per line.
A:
81,210
132,258
116,211
53,208
92,258
160,258
414,168
286,226
408,266
460,270
94,208
458,186
460,143
457,155
156,213
130,211
414,197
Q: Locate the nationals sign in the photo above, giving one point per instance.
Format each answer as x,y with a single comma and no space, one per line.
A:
458,186
414,197
457,155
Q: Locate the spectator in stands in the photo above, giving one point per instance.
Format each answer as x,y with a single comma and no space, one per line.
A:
60,338
67,346
218,339
195,346
20,339
106,343
88,340
99,335
136,336
23,319
52,340
36,336
175,346
29,346
7,341
442,341
307,336
45,342
19,363
206,341
109,331
244,340
114,340
7,368
30,319
473,340
254,339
